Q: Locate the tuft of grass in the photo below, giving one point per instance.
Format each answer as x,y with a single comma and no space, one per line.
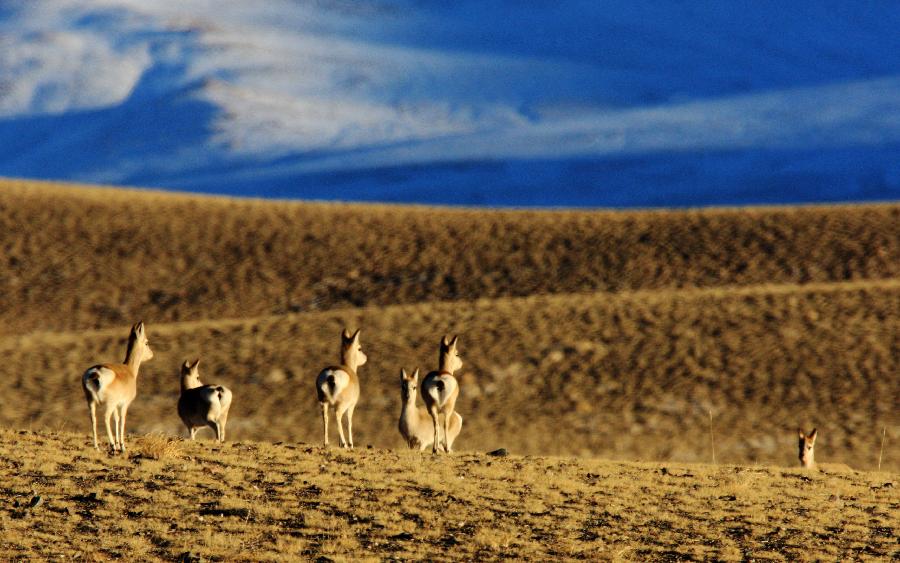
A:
158,446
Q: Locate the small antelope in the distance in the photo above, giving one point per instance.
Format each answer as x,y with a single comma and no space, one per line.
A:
114,387
807,449
415,422
202,405
440,390
338,386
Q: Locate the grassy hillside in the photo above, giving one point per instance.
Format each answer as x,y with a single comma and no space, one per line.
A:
77,259
248,501
584,333
589,334
627,376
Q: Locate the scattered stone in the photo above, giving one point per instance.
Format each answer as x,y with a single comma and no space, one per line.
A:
36,501
501,452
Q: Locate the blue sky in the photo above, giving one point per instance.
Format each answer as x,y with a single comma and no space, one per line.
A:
505,103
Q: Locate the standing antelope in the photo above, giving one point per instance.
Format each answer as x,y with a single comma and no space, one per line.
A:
339,386
415,422
807,449
202,405
440,390
115,385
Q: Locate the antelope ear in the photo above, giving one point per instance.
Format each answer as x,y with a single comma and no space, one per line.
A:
454,341
345,334
403,376
195,364
444,341
813,434
138,328
186,365
415,375
802,434
355,336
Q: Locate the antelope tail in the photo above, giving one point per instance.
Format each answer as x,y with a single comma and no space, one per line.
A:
328,387
92,384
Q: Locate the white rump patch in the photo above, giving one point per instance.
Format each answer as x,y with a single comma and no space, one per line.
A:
104,375
97,379
341,381
440,396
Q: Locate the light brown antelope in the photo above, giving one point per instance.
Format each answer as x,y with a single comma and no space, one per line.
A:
440,390
338,386
415,422
114,386
202,405
807,449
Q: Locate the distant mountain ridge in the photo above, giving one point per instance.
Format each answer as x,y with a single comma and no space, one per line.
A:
470,103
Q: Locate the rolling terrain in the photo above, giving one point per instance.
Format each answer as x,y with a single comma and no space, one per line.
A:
604,350
88,258
583,333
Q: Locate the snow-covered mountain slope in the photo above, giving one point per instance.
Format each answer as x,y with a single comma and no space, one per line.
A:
466,102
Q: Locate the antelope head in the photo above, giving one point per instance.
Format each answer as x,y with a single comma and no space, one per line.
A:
190,375
351,351
408,385
807,446
449,356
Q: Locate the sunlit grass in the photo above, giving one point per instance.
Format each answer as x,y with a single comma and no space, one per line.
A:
263,502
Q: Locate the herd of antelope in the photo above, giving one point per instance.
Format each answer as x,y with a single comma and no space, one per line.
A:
114,387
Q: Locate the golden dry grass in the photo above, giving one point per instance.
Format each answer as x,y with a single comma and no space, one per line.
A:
627,376
75,259
588,333
284,502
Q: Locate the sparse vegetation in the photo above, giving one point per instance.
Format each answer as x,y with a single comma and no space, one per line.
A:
652,336
648,367
263,502
77,259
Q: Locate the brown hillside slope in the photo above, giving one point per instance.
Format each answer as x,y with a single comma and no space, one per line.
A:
265,502
80,258
629,375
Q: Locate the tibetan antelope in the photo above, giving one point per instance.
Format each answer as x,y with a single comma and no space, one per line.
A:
440,390
338,386
202,405
114,386
807,449
415,422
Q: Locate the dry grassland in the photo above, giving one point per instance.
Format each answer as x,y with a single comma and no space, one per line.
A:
629,376
76,259
282,502
591,334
